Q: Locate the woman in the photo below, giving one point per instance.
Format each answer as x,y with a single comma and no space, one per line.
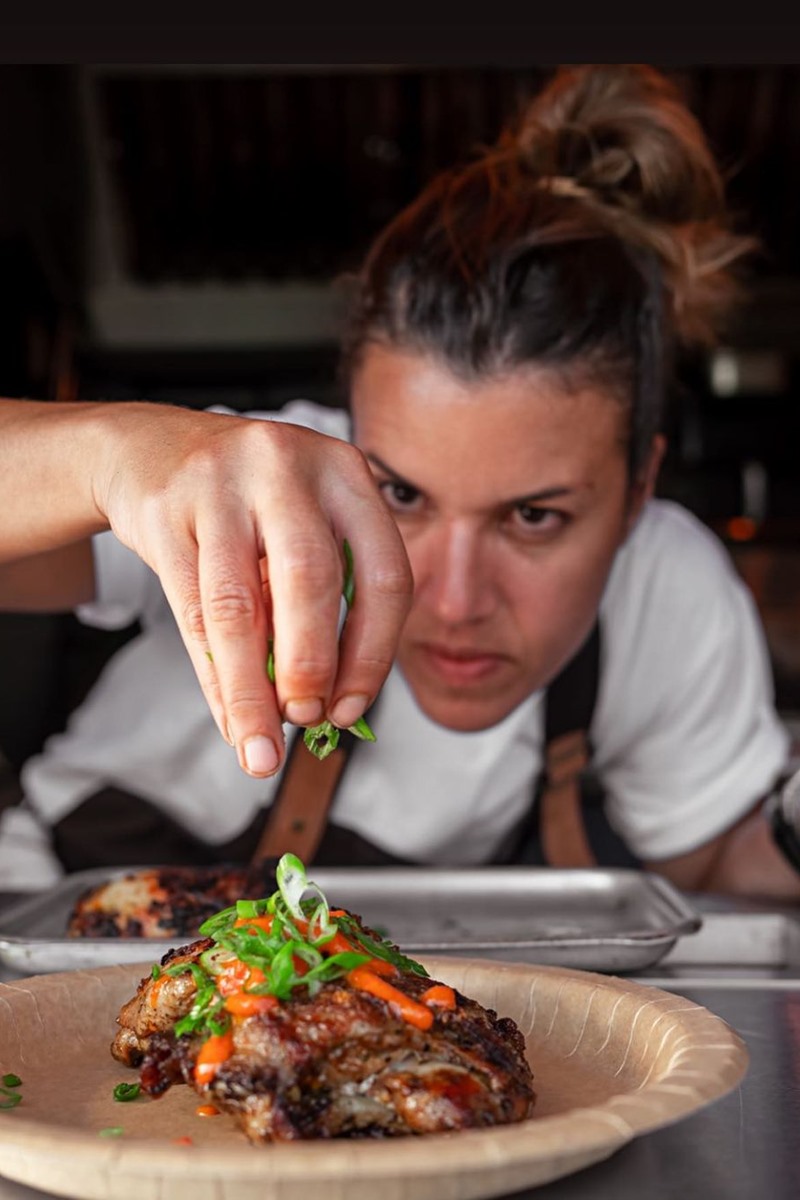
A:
507,362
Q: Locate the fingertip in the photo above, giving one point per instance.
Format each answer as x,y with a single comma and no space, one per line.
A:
260,756
348,709
304,712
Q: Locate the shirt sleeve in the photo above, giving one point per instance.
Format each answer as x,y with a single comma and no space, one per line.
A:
693,739
27,859
125,587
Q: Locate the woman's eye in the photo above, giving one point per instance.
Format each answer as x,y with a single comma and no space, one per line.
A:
400,497
533,517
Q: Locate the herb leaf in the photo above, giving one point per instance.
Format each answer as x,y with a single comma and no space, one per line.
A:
380,948
9,1098
322,739
283,940
349,587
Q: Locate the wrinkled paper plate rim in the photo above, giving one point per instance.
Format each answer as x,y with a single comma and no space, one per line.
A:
687,1056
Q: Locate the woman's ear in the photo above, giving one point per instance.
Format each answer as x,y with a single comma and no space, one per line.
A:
644,485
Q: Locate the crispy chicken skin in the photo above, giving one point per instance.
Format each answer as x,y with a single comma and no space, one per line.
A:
165,902
340,1064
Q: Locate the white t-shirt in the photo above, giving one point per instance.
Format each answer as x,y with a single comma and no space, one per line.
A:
685,733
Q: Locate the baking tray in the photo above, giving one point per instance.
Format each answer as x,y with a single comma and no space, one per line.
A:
613,920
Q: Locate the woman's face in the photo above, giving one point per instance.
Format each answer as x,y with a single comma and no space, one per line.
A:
512,497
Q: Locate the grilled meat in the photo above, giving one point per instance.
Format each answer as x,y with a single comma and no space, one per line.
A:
165,902
341,1063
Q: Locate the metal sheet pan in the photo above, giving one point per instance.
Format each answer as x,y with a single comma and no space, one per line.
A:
602,920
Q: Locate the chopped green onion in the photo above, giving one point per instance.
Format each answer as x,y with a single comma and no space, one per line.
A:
349,588
215,959
11,1081
221,1026
332,968
362,730
156,971
9,1098
126,1091
111,1131
222,920
380,948
322,739
300,929
292,881
271,660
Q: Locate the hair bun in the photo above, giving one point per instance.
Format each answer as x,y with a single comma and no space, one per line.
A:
625,132
625,138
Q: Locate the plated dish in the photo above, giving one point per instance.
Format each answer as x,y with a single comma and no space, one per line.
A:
301,1022
613,1059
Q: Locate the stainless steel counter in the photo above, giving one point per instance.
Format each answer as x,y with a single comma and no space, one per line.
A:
744,966
744,1147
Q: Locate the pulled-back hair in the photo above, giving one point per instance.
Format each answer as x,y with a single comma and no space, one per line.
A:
589,240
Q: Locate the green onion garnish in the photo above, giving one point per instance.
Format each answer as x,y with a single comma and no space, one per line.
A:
126,1091
11,1081
9,1098
300,930
379,948
111,1131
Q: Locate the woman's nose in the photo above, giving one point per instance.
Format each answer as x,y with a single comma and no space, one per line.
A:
458,585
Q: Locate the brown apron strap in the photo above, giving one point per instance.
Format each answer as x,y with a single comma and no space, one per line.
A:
299,812
563,833
569,706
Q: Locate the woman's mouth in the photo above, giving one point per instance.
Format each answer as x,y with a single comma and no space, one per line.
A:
459,666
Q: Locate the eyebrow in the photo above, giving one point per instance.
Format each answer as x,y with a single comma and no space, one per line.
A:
551,493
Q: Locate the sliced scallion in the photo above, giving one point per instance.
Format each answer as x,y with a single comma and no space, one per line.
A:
289,953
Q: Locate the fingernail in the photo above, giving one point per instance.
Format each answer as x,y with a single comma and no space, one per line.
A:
346,711
260,756
304,712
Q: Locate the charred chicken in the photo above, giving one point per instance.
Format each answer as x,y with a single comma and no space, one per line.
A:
301,1022
165,902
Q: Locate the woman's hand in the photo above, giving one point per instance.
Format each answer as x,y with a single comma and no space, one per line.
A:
244,522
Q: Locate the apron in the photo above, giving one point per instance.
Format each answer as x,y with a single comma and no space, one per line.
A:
564,826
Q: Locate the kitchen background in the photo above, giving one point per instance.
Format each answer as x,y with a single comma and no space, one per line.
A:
176,233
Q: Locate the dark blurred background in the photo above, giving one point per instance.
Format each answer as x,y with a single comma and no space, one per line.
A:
173,233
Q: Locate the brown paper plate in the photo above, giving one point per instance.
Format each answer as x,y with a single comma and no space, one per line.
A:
612,1059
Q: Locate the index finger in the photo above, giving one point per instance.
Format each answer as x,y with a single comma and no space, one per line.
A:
234,616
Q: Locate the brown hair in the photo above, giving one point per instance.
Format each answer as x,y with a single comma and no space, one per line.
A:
589,239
